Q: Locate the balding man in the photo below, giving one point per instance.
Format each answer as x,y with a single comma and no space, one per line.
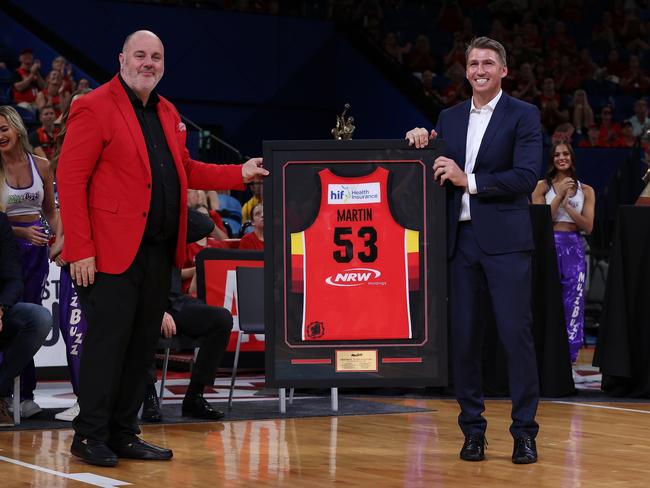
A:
123,176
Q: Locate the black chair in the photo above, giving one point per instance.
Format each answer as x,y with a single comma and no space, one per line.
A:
16,400
250,310
176,342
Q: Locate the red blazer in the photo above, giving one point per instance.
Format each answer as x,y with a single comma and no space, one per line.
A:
104,178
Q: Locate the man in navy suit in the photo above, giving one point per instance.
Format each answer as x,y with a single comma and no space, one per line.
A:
493,150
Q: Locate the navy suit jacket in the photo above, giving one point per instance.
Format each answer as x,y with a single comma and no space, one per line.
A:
506,170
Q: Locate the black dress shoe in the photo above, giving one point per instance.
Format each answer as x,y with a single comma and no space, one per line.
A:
151,407
196,406
93,452
136,448
473,448
525,450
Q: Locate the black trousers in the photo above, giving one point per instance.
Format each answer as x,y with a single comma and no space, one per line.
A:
124,313
508,280
195,319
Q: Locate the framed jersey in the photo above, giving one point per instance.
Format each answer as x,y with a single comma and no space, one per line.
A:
355,267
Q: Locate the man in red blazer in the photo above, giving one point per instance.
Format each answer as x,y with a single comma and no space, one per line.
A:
123,175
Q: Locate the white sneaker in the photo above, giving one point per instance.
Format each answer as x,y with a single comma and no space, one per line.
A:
29,408
69,414
578,378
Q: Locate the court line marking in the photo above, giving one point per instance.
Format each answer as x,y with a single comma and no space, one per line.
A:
88,478
606,407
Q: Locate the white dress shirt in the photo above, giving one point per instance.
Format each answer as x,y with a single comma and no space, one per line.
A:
479,118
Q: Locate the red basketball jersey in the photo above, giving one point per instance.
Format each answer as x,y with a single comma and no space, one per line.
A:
355,265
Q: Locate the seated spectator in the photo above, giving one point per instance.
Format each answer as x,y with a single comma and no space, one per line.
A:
563,133
456,54
196,198
561,40
635,81
199,199
420,58
60,121
551,106
549,64
610,131
566,76
62,66
614,65
393,49
457,90
467,33
525,84
23,326
531,38
628,139
498,32
586,66
54,94
370,15
572,11
255,240
603,35
43,139
27,81
633,32
450,17
640,121
591,139
83,84
188,273
520,52
258,197
582,115
429,90
191,317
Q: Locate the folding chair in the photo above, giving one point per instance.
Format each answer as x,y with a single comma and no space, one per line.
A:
176,342
250,310
17,400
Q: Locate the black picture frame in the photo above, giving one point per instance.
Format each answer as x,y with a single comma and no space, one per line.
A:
291,195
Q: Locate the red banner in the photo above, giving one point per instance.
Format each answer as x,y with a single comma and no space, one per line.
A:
221,291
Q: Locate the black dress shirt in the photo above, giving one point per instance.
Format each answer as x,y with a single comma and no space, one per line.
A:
162,219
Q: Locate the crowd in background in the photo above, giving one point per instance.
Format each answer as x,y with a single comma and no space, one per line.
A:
585,64
585,68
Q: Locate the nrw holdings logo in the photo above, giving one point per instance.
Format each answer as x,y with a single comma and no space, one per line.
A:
355,277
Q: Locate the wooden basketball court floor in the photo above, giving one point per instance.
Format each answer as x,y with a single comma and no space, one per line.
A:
579,444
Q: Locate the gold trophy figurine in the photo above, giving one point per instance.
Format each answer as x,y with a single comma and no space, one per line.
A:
344,125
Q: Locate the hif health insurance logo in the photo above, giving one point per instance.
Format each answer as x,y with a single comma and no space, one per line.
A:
338,194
